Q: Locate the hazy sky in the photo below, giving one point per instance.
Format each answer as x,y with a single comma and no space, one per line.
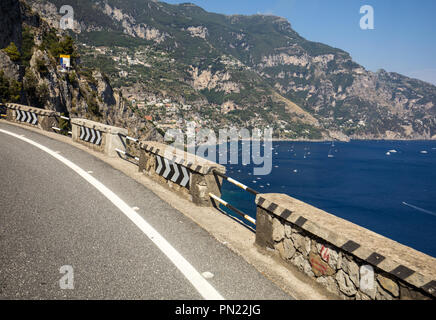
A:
403,39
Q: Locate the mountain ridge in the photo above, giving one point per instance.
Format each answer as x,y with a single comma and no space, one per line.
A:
245,71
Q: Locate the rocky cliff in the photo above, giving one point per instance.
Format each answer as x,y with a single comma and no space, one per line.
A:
80,92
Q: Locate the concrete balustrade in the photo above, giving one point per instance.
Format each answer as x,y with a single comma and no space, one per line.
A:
339,255
35,117
99,137
201,182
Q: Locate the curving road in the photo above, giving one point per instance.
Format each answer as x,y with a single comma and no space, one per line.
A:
50,216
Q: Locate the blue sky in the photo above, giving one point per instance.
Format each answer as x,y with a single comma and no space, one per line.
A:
403,39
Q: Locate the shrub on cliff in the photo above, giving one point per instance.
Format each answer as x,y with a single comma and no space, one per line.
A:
56,46
30,82
72,78
41,67
42,93
9,89
12,52
37,94
26,46
64,125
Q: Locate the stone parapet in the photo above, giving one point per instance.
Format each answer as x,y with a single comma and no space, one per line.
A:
188,175
31,116
340,255
99,137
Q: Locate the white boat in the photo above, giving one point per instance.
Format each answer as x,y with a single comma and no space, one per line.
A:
424,152
330,151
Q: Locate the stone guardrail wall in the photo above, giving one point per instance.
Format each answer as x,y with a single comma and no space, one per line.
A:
99,137
184,173
336,253
35,117
188,175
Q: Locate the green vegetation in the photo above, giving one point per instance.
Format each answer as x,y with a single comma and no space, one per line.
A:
64,125
27,45
56,46
12,52
37,94
303,130
9,89
87,74
72,78
41,67
213,96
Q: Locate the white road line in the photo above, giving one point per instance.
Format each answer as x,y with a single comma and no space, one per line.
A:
206,290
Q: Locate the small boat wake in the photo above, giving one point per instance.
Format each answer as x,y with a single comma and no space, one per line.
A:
419,209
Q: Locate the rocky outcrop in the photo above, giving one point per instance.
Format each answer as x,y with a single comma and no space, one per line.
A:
199,31
132,28
10,69
79,92
206,79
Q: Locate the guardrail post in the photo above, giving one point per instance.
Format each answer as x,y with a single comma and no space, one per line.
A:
186,174
99,137
202,185
31,116
10,114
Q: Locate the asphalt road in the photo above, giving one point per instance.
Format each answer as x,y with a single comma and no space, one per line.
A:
51,217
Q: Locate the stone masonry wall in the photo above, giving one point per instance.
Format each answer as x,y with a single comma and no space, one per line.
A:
335,261
46,118
202,180
112,137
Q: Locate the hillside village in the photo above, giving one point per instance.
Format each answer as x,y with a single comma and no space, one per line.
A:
165,112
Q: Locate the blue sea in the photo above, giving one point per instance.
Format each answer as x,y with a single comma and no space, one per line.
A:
388,187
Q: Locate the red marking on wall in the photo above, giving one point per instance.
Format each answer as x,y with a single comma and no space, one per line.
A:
318,266
325,253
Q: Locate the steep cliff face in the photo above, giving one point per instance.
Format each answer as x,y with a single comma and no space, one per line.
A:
80,92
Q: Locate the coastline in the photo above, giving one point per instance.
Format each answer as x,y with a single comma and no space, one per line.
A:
336,140
316,141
